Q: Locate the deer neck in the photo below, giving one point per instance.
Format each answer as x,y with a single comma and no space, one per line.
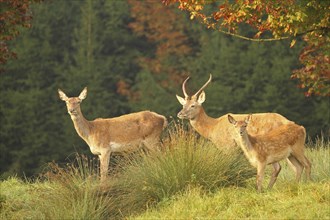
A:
245,143
203,124
81,125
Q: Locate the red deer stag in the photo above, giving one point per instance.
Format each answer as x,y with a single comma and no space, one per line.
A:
219,130
284,142
120,134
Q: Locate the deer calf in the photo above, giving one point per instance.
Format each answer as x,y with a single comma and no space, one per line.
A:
119,134
286,141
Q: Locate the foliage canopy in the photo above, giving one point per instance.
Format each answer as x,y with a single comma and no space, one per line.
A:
13,15
281,19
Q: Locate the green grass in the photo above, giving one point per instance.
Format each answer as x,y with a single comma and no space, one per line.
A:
62,193
188,179
287,200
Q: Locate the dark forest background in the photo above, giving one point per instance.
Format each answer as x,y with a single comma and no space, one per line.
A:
132,56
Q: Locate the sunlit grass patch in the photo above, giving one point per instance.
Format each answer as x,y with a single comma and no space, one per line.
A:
306,201
18,198
71,192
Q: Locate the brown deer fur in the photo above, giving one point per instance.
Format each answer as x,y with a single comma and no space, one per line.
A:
285,141
120,134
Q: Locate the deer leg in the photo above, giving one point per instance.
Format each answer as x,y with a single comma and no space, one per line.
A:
277,169
104,164
296,166
308,169
304,162
260,175
307,165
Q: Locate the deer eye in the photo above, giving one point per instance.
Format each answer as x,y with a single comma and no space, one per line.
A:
192,106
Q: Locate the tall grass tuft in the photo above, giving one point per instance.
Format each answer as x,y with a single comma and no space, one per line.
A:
185,161
76,191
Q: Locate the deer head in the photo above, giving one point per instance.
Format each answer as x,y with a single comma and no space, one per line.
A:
73,103
192,105
240,126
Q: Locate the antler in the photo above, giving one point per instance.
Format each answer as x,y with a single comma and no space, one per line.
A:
184,87
203,87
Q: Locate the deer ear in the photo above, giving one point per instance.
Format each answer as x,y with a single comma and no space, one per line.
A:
181,100
83,94
248,118
201,98
62,95
231,120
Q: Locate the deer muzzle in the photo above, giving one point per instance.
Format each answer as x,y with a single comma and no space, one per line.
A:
182,115
72,111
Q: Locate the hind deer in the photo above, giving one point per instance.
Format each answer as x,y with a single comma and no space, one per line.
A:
284,142
219,130
120,134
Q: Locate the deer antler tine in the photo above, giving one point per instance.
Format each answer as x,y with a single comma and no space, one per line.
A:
184,87
203,87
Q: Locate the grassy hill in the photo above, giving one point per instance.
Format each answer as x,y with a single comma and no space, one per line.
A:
188,179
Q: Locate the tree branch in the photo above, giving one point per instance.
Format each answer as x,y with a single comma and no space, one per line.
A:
325,29
252,39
